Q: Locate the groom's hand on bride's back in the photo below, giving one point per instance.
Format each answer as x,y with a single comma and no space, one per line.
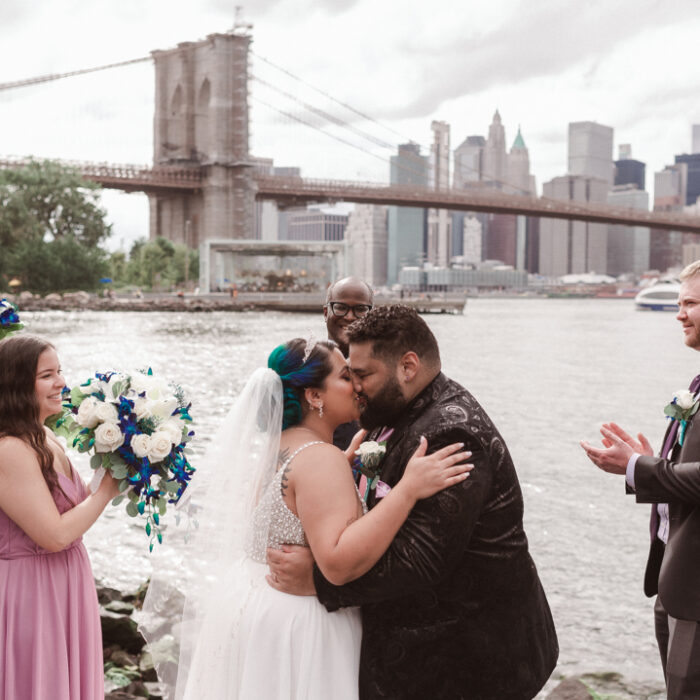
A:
291,570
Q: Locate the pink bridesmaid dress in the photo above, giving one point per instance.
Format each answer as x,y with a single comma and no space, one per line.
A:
50,635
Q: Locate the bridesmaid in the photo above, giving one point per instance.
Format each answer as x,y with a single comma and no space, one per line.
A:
50,637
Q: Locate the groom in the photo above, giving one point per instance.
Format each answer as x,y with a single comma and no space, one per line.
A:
454,609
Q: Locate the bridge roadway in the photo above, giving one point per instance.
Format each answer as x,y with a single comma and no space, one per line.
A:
297,191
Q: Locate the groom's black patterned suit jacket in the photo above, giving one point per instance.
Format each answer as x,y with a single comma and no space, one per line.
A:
454,609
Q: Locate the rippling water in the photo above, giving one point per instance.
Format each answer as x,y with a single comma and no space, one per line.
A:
547,371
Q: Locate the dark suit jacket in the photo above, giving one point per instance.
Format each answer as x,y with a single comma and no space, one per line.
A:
454,609
674,571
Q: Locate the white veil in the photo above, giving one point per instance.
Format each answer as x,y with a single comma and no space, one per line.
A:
197,563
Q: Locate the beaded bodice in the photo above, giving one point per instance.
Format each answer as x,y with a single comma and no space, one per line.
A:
274,524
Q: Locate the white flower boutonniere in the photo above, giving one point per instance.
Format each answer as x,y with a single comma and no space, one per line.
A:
682,408
369,456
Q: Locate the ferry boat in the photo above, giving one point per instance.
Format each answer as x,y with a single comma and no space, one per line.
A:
660,296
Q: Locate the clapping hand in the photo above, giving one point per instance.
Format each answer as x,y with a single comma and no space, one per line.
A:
618,447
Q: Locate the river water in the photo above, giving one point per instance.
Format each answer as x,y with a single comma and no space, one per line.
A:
547,371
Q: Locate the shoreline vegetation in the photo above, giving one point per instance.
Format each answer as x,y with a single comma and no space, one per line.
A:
130,675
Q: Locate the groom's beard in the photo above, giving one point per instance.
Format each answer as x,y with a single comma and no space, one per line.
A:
385,408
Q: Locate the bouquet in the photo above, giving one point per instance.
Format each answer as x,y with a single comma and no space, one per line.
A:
137,428
9,319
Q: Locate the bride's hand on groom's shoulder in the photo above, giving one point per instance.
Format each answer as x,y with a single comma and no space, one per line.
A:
354,445
291,570
425,474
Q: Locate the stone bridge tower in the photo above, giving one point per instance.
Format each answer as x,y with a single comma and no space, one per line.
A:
201,120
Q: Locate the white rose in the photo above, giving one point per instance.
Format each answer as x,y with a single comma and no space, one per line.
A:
174,428
106,412
370,447
87,412
139,445
159,446
94,387
685,399
108,436
141,408
154,387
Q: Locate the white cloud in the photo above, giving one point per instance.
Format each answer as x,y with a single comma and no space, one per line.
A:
629,64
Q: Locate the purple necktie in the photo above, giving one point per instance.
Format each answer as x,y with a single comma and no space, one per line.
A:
669,442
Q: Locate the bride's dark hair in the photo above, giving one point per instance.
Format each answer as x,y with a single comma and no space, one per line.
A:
19,408
296,375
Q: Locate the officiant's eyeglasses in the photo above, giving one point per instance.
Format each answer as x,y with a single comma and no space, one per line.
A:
340,309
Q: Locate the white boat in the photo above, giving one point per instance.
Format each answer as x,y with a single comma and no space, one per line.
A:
660,296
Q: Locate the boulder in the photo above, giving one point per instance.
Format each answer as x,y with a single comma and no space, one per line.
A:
105,594
120,606
122,630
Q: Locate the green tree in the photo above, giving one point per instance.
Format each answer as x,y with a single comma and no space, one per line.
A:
51,225
59,265
51,200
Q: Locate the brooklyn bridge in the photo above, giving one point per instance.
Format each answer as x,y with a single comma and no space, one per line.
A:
203,183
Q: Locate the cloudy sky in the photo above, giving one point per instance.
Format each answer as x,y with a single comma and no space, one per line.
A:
629,64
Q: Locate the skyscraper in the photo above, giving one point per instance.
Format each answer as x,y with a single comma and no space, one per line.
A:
696,138
406,225
495,160
469,161
629,171
366,236
692,185
573,246
590,150
439,247
628,246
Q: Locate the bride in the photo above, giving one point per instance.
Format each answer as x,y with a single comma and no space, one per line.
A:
275,478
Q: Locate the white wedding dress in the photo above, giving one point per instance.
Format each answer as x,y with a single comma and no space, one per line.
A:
257,643
215,629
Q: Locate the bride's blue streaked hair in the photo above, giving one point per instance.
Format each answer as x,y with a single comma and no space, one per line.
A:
296,375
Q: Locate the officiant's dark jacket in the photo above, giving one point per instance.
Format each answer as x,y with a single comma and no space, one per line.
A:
673,571
455,608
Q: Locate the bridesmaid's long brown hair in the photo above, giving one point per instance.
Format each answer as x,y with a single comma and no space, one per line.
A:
19,408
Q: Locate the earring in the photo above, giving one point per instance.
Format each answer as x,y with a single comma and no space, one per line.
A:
320,411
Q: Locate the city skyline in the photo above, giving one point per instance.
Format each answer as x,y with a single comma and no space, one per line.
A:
628,67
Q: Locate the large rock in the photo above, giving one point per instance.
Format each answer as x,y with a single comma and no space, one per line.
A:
570,689
121,630
608,685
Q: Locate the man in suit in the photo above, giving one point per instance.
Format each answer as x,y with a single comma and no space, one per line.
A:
454,610
347,300
671,482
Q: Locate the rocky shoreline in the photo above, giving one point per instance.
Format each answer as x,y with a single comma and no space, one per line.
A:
302,303
128,667
130,675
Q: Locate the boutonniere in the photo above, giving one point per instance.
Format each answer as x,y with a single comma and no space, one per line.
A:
682,408
369,458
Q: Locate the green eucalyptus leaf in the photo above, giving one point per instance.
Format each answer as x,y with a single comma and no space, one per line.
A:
123,486
95,462
116,501
132,509
672,410
119,471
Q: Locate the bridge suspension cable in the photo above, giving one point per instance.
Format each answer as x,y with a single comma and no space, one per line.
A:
57,76
506,186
